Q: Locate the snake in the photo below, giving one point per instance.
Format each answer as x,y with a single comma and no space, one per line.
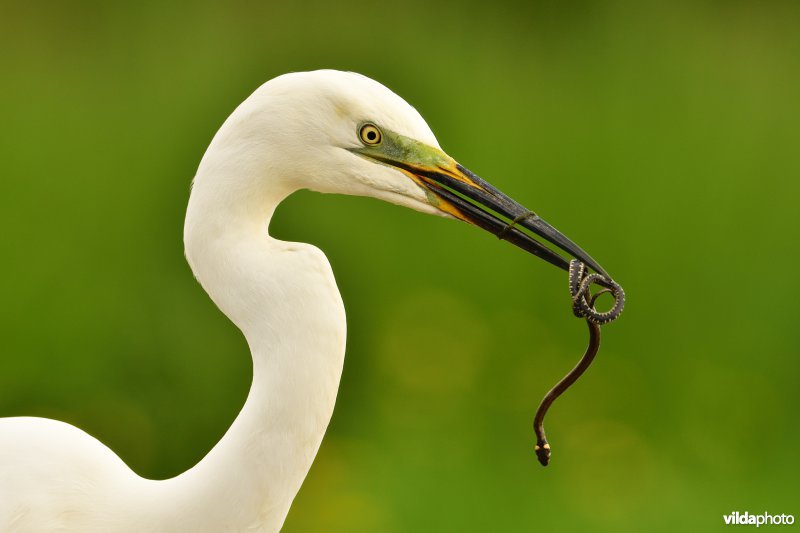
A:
583,301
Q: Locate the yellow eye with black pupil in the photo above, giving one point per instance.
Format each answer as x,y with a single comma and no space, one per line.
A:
370,134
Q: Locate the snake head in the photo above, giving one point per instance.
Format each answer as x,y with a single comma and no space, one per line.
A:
542,450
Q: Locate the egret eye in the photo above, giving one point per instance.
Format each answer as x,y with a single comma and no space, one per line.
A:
370,134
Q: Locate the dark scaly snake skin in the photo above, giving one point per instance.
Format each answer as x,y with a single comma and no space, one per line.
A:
579,283
583,307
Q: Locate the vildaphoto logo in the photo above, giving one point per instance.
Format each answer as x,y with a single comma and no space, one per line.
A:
746,519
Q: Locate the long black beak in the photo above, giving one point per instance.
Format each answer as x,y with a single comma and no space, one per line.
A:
459,192
472,198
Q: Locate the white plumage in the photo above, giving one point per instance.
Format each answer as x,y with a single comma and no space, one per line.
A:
292,133
328,131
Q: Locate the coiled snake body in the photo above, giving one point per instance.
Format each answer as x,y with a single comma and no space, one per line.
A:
583,302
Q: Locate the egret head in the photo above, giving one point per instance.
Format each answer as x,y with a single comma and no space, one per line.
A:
341,132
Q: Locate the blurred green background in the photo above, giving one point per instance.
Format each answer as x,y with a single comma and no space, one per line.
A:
663,139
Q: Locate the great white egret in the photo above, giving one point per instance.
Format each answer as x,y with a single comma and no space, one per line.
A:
328,131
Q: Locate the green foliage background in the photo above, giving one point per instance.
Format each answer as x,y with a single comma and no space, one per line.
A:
663,138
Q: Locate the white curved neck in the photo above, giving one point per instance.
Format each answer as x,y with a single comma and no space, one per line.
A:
283,297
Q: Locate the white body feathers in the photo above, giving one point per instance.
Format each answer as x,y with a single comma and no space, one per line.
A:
292,133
